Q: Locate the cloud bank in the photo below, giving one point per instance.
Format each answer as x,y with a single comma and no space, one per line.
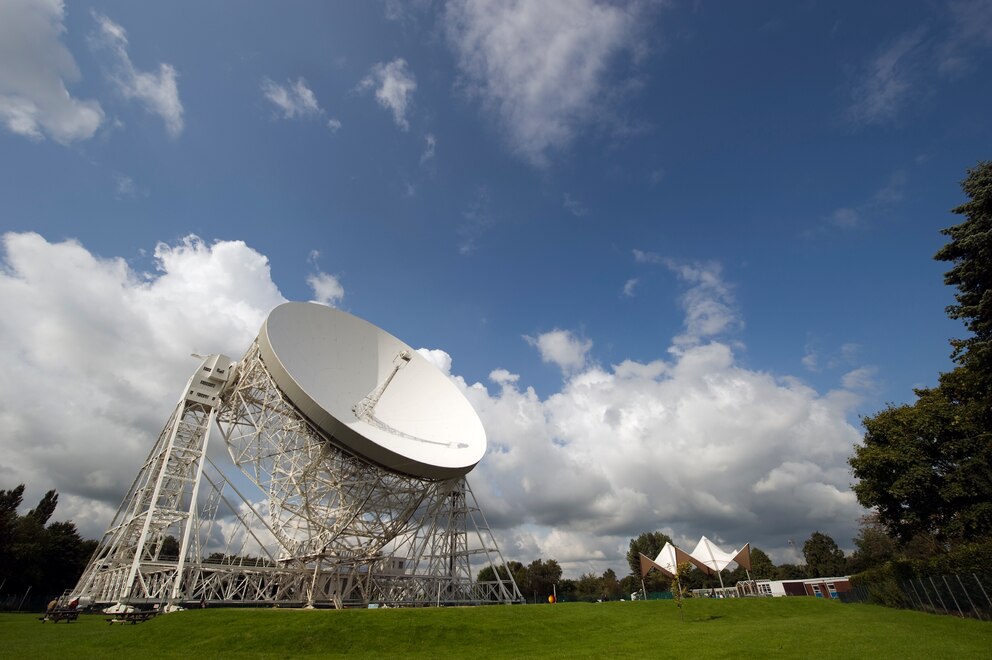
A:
96,352
693,444
690,443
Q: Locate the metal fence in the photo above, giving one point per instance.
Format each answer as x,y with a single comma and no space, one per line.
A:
26,602
960,595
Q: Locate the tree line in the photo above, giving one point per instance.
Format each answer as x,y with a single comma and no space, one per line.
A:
38,559
925,468
542,578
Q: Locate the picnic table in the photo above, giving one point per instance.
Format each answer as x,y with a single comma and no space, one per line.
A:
67,615
137,616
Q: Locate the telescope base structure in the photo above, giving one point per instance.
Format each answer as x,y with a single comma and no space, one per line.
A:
331,529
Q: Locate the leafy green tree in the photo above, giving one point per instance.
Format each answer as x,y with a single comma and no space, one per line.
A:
63,557
609,585
926,468
873,545
48,559
588,587
790,572
823,557
762,566
541,578
630,584
696,579
487,574
511,568
24,567
679,588
169,548
567,590
649,544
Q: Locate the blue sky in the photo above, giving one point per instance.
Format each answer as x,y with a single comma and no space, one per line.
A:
646,236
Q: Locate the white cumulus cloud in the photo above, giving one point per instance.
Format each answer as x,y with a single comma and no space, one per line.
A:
95,354
862,378
561,347
293,100
35,68
158,91
438,358
327,289
708,303
394,86
691,443
539,67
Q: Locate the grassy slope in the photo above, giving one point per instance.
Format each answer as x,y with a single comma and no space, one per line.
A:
782,627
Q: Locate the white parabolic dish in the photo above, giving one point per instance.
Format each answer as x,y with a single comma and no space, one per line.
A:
330,363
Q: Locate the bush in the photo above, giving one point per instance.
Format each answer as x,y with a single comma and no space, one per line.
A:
883,583
965,559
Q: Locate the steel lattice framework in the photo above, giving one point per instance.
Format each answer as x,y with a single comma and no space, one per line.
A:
331,527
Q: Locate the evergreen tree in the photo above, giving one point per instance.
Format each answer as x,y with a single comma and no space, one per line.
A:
970,250
45,508
823,557
48,559
926,468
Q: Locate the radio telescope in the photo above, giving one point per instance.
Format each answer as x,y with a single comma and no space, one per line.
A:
343,482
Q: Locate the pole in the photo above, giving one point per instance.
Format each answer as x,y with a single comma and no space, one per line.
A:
23,599
643,590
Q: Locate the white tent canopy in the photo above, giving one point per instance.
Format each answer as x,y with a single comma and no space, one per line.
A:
707,557
712,557
669,558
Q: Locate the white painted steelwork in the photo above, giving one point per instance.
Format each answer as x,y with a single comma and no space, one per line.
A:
341,521
371,392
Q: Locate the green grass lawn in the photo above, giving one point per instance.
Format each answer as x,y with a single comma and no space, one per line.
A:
759,628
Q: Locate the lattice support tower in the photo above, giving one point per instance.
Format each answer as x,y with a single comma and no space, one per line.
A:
331,528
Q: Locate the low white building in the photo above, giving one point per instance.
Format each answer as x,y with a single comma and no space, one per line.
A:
825,587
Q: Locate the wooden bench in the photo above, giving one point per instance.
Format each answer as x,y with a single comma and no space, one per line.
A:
60,615
132,617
